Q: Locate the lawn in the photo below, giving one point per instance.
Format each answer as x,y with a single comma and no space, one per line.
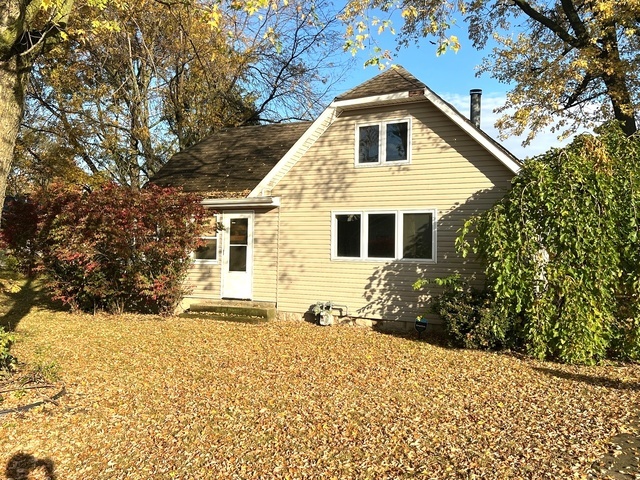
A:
146,397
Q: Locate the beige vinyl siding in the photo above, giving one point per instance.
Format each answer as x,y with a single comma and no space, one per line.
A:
204,280
265,251
449,172
308,143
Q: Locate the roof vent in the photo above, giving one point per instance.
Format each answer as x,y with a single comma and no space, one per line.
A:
474,114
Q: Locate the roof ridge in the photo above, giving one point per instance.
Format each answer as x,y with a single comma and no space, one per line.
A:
395,79
260,125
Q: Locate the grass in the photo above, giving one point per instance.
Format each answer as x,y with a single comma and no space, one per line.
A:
194,398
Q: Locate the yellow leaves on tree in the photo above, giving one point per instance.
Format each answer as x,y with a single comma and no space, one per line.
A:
573,64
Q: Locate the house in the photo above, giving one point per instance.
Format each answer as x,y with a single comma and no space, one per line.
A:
349,209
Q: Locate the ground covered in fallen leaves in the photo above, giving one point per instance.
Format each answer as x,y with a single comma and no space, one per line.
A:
146,397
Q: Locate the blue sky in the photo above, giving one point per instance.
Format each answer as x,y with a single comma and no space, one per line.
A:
451,76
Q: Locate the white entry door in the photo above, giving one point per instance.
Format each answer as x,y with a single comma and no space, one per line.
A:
237,256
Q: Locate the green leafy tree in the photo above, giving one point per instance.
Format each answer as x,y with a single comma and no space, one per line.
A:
572,63
562,250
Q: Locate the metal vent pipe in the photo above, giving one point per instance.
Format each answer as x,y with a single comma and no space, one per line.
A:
474,114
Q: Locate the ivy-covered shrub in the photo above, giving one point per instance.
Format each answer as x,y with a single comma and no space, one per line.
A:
116,249
562,250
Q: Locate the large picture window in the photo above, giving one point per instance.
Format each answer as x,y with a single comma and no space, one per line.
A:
391,235
383,143
208,253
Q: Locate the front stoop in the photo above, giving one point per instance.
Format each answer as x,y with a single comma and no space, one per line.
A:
240,310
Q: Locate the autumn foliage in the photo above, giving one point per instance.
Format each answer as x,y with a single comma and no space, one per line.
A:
205,399
18,233
113,248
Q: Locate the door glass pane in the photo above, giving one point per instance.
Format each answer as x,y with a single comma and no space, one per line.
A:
382,235
369,138
348,235
417,235
237,258
238,231
397,140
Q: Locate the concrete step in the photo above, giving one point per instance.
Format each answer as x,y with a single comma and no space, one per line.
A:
232,309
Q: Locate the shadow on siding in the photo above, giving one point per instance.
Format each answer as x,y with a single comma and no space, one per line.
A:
389,291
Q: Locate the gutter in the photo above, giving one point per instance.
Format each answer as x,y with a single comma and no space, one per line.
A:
221,203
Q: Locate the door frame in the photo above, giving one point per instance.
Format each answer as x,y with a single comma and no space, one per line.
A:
226,279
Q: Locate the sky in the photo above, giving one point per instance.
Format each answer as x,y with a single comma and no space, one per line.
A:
451,76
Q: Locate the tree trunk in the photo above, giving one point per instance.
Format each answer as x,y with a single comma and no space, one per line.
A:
621,103
13,79
616,82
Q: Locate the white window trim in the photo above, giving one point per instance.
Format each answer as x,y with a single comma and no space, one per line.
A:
209,261
364,235
382,143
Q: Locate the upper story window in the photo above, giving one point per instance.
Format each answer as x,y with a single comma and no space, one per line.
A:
383,142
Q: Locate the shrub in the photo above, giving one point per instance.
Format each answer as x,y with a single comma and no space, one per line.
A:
116,249
7,361
19,235
470,321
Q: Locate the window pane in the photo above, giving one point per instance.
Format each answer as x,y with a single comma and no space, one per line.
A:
369,138
237,259
417,236
382,235
210,226
348,235
238,231
397,141
209,251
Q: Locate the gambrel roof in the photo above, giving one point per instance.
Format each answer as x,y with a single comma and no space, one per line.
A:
250,161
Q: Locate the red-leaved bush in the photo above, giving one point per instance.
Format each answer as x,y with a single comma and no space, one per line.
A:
114,248
19,232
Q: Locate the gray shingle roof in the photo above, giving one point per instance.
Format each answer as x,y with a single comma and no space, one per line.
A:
394,80
232,161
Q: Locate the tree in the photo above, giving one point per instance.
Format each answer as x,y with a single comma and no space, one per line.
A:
108,98
572,62
281,52
26,26
563,257
122,100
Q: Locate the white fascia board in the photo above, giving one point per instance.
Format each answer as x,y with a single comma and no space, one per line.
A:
248,202
328,113
458,119
354,102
